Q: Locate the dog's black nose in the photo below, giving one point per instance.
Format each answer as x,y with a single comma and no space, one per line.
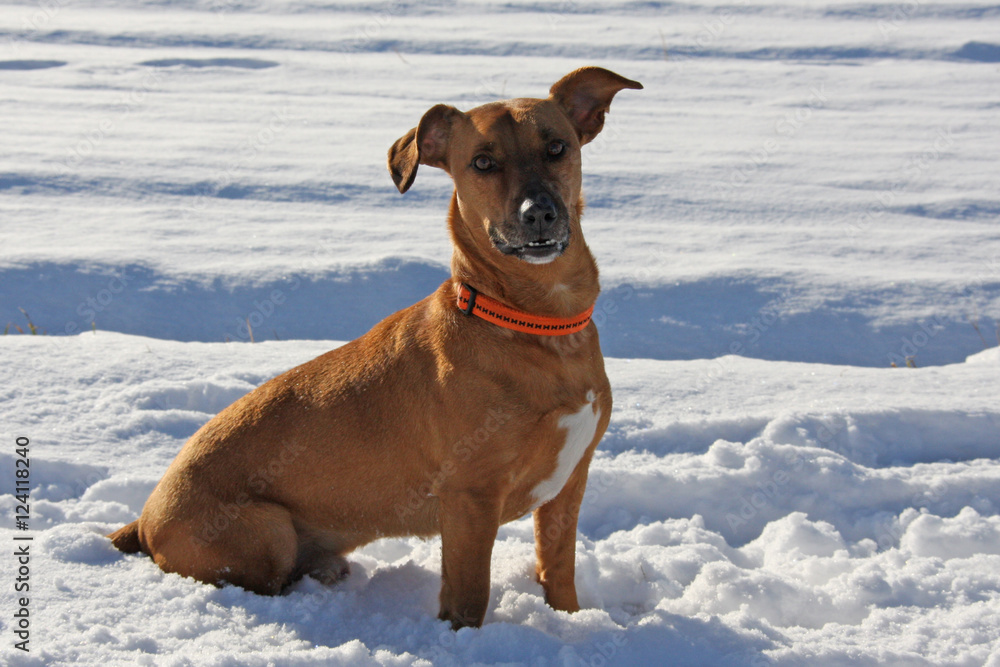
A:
538,210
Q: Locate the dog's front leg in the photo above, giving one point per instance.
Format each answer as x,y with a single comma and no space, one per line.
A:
469,523
555,541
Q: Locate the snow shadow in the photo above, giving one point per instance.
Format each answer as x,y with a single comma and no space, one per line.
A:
976,210
894,438
136,299
26,65
371,608
53,480
648,50
314,192
703,319
980,52
239,63
762,318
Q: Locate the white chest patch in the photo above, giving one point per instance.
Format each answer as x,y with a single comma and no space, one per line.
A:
580,428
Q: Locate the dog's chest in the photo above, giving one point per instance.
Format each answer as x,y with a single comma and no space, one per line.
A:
579,428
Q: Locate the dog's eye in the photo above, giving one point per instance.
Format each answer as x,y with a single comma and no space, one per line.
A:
556,148
483,163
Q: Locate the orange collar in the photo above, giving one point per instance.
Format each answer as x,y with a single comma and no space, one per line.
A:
471,302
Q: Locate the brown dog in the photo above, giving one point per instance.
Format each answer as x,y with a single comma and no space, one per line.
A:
467,410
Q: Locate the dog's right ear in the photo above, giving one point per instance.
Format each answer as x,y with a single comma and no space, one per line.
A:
427,143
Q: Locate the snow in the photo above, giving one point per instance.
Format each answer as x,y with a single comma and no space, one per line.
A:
802,195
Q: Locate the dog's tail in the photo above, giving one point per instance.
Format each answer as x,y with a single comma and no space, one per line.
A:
127,538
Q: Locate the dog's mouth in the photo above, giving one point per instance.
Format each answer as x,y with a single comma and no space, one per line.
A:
539,251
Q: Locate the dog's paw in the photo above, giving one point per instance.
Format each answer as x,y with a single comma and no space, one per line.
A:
335,569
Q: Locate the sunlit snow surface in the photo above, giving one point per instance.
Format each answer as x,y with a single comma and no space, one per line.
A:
803,194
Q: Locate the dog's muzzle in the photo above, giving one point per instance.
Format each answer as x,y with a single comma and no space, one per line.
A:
542,230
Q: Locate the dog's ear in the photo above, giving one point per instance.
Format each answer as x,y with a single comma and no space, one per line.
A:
585,95
427,143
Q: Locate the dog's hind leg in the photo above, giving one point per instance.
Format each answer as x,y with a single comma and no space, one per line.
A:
257,549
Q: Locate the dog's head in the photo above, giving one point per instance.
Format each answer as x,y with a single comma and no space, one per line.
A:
515,163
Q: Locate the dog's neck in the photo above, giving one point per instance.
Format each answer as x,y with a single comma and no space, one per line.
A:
564,287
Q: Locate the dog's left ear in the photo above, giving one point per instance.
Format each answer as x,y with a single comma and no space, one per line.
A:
427,143
585,95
